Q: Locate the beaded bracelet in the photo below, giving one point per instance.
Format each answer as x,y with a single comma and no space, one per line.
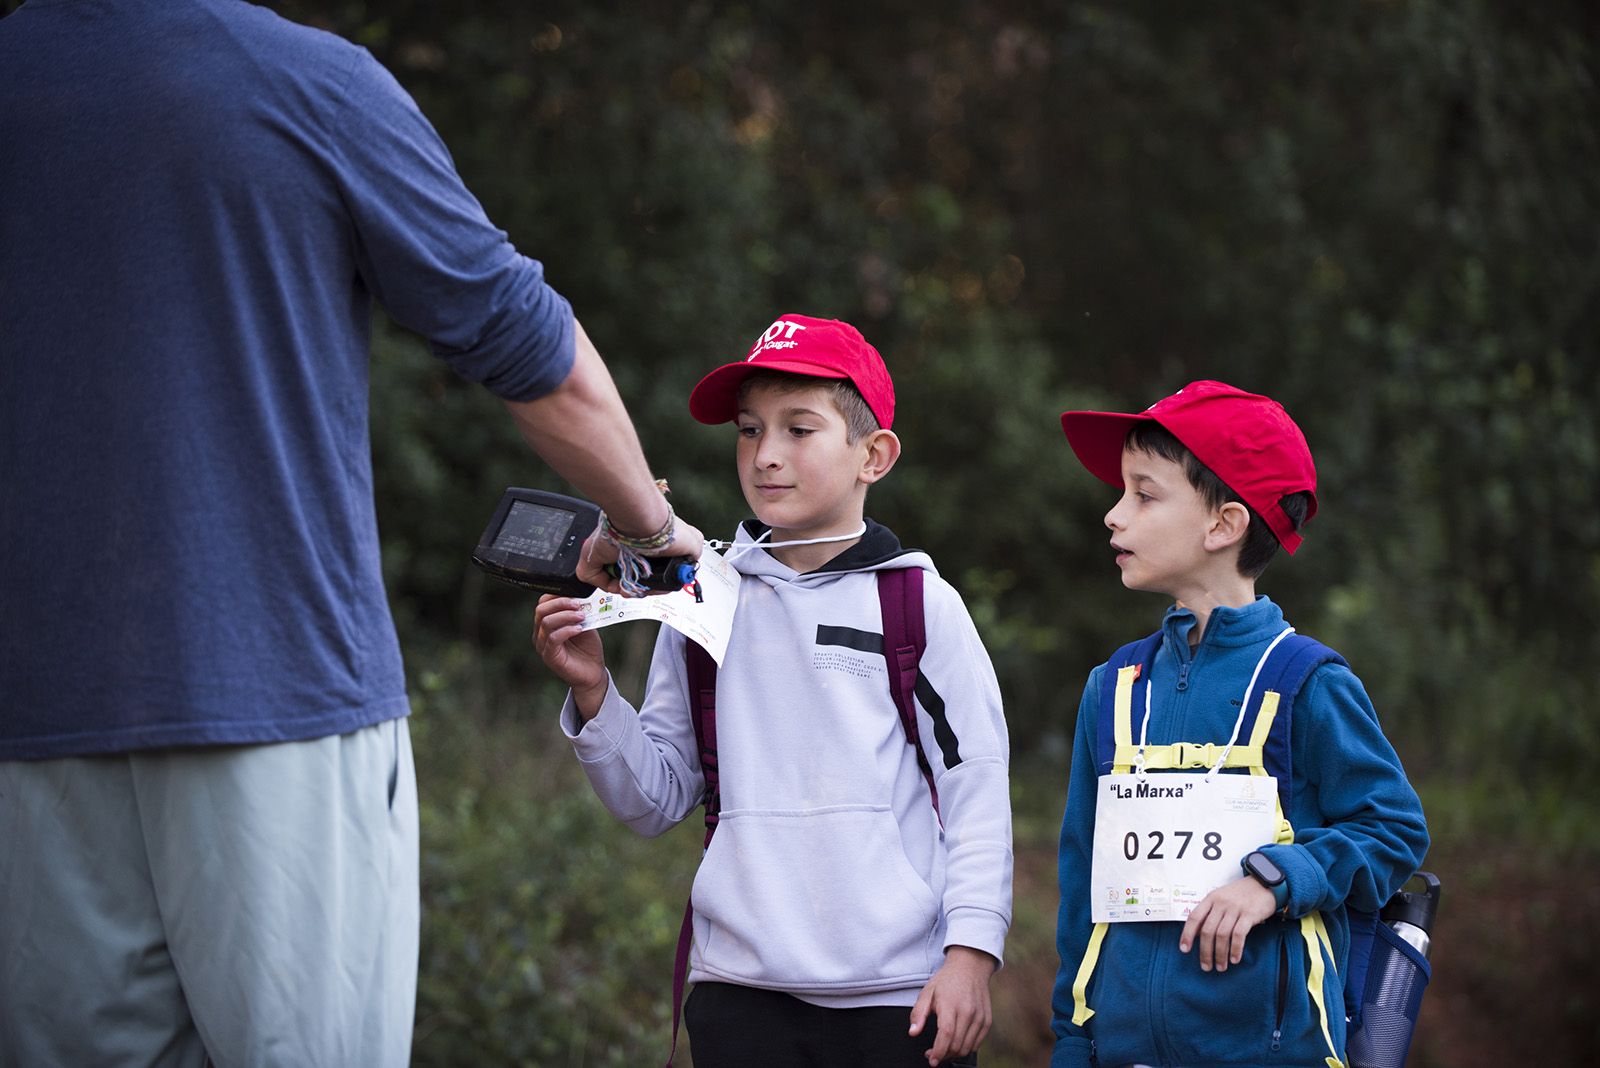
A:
633,567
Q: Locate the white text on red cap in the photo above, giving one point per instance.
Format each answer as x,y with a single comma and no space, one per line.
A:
780,335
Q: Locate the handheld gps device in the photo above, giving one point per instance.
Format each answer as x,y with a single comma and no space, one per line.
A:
535,537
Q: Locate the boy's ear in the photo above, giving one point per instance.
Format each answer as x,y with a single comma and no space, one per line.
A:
1228,526
883,449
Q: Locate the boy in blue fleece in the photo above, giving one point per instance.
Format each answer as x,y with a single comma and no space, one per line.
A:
1214,480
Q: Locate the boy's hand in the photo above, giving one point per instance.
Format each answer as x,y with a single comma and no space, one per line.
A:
958,995
1223,919
574,654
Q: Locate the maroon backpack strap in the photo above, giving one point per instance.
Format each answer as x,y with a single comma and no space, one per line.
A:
905,639
702,672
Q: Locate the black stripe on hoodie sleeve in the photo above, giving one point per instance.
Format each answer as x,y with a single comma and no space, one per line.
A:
949,745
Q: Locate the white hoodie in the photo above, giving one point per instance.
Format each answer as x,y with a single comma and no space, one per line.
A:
828,876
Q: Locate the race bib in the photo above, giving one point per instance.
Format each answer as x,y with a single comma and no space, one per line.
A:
1163,842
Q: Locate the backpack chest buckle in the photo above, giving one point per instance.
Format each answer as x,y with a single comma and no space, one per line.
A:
1195,755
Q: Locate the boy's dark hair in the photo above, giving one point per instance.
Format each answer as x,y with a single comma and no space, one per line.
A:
1260,544
858,418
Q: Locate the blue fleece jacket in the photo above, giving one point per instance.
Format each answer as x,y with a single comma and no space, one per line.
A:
1359,834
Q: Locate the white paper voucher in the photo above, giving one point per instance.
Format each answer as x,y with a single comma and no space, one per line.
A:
708,622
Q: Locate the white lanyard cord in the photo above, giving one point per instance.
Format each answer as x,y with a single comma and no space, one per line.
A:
762,543
1144,728
1245,706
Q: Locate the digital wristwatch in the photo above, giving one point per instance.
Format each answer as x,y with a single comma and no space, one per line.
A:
1258,865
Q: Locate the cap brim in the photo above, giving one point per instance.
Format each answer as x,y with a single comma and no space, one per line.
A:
1097,438
715,398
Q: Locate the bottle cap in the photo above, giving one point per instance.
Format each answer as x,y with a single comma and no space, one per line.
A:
1416,907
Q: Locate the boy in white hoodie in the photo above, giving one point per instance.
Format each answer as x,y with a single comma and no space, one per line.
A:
851,906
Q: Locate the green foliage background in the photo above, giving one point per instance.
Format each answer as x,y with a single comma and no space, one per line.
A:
1383,214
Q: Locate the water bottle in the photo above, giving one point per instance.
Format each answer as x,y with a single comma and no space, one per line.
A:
1399,919
1397,975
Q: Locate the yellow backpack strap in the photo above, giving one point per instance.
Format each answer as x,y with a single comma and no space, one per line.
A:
1312,928
1183,755
1122,731
1257,746
1187,755
1315,933
1264,718
1080,984
1122,719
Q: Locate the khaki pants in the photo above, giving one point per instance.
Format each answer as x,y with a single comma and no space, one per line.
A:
257,905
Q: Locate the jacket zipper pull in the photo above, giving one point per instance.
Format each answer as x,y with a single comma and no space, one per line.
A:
1277,1039
1183,675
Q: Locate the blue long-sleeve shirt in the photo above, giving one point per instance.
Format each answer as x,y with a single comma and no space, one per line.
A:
1359,834
199,201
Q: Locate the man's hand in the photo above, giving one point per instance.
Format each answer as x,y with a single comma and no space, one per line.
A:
598,552
1223,919
958,997
574,654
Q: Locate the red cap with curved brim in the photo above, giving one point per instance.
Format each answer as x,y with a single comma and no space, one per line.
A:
1247,440
800,345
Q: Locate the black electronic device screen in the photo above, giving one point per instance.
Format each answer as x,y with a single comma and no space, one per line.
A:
535,538
535,530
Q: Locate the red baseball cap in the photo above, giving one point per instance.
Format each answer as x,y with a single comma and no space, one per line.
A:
1246,439
801,345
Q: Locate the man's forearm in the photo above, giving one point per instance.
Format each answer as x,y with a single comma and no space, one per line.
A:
583,431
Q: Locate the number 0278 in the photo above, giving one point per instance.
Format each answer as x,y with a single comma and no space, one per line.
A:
1155,845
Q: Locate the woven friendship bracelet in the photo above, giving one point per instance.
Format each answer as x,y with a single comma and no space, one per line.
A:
633,567
650,543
